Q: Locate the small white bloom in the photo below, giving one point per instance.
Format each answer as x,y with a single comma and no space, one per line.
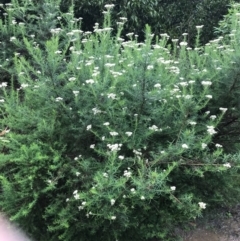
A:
113,133
210,130
202,205
184,146
208,96
218,145
193,123
142,198
113,217
106,124
78,173
128,133
204,145
90,81
103,138
173,188
199,26
89,127
111,96
105,174
213,117
157,85
206,83
75,92
223,109
228,165
96,111
92,146
150,67
59,99
153,128
112,202
127,173
109,6
183,43
183,83
133,190
72,79
121,157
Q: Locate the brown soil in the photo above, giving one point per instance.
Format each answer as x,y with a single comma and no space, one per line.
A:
225,226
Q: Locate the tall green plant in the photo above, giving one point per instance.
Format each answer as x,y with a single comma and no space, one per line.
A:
113,140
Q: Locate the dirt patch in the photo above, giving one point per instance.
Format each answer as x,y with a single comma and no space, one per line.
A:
224,225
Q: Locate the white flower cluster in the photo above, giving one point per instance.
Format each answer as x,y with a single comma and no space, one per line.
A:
96,111
127,173
206,83
137,152
114,147
3,84
202,205
82,206
76,195
153,128
112,201
113,133
210,130
228,165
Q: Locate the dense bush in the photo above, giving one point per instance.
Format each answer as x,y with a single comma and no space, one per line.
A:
106,139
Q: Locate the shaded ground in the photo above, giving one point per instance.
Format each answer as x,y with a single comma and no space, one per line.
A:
221,226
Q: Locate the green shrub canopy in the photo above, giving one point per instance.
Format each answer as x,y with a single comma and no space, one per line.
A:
107,139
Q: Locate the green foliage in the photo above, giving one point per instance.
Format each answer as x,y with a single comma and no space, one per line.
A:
112,139
164,16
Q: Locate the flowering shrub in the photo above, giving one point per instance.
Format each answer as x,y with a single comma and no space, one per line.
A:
109,139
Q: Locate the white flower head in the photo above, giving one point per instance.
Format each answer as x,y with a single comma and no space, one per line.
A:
157,86
173,188
106,124
105,174
208,96
92,146
218,145
121,157
111,96
128,133
72,79
206,83
199,26
202,205
204,145
89,127
153,128
113,133
133,190
185,146
210,130
89,81
228,165
213,117
150,67
109,6
142,198
223,109
113,217
183,43
112,202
